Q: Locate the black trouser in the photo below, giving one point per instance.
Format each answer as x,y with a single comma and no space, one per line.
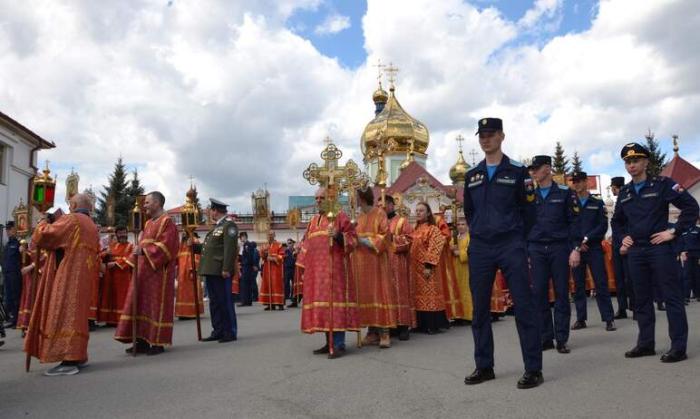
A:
13,292
223,312
623,283
247,284
288,281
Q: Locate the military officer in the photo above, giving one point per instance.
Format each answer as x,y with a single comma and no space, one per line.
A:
592,226
623,284
496,196
218,266
641,217
689,258
11,270
553,216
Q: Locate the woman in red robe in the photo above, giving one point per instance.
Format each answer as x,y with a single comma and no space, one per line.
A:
376,291
427,245
272,281
184,298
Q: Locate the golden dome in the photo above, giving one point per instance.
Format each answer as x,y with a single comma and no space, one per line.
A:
380,95
459,169
394,123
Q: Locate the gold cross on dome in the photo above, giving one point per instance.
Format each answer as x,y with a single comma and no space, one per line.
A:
460,140
391,71
379,66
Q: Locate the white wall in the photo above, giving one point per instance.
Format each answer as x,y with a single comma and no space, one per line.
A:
16,172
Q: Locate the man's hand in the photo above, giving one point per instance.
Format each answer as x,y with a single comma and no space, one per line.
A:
624,250
662,237
583,248
226,274
27,269
684,258
627,241
427,272
137,250
272,259
574,258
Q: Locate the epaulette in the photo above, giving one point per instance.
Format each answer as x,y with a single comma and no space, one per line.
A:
516,163
563,187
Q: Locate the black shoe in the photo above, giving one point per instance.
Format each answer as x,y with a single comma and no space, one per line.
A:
479,376
292,305
267,308
638,352
321,351
610,326
403,334
141,348
621,314
562,348
530,379
155,350
337,353
661,306
547,345
227,339
211,338
280,307
580,324
673,356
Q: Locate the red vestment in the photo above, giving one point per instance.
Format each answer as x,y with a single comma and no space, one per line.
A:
298,284
272,280
184,299
155,286
401,229
115,282
376,290
25,302
453,302
58,327
427,246
328,280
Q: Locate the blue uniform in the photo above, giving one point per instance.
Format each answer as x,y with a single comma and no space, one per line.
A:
592,224
11,271
553,218
495,208
691,271
250,265
640,214
623,283
289,267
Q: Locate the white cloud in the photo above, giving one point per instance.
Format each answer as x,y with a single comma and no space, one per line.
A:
225,92
541,9
333,24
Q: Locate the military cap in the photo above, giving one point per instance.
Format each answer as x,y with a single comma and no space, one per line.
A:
577,176
538,161
218,205
618,181
634,150
489,125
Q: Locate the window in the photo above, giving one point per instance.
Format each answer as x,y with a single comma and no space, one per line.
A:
3,153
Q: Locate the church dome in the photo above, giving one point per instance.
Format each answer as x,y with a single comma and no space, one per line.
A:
459,170
380,95
394,124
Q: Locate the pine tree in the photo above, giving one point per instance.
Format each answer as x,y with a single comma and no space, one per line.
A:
114,191
560,164
657,159
576,163
133,190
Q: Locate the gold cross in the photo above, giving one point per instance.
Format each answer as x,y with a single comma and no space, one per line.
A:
379,66
391,71
423,191
459,140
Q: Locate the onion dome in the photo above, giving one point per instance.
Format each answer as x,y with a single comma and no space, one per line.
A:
459,170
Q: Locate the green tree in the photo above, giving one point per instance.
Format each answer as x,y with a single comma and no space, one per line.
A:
576,163
115,192
560,164
657,159
134,189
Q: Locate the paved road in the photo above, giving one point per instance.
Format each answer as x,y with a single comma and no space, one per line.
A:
270,373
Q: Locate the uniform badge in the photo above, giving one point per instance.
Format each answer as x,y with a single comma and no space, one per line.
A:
232,231
484,122
530,197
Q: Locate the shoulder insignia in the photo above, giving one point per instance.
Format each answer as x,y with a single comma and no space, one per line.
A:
516,163
678,188
563,187
232,230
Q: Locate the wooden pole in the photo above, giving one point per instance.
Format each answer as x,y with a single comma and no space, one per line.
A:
195,285
134,294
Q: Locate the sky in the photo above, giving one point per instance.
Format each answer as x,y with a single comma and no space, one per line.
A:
239,95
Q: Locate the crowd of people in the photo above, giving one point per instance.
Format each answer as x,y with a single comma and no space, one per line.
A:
524,245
